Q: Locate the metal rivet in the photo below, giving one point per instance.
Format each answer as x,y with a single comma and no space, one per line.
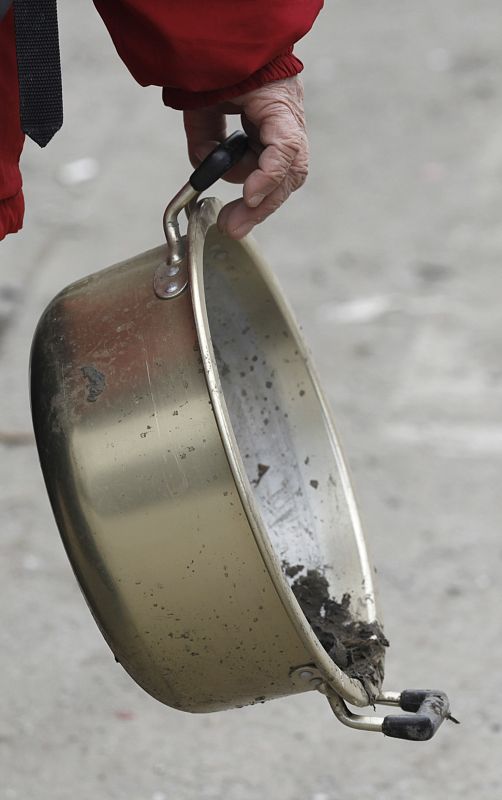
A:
306,675
173,269
315,682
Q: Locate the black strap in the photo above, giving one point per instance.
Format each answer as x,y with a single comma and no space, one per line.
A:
39,68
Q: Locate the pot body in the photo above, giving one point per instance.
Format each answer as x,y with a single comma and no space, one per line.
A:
141,443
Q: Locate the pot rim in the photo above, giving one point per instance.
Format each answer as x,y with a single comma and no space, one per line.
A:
203,216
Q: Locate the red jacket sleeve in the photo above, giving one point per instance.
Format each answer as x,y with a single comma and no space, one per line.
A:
11,135
204,51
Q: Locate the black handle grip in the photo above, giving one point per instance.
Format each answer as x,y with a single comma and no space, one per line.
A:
219,161
430,708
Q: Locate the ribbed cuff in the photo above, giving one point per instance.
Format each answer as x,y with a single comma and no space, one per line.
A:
11,214
284,66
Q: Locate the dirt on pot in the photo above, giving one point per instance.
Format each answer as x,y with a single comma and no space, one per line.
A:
357,647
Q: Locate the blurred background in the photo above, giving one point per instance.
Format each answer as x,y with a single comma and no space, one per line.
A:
390,257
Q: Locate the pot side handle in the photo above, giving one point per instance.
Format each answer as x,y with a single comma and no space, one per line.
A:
429,708
171,276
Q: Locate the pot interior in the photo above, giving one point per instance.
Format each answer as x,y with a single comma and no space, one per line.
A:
285,437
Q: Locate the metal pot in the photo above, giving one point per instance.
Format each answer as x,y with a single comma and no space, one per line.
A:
193,468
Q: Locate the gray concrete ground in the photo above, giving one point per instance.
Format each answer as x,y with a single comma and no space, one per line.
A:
391,258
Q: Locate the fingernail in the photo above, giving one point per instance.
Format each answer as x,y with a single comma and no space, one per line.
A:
255,200
242,230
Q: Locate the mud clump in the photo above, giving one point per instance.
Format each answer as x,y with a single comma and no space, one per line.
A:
356,647
292,571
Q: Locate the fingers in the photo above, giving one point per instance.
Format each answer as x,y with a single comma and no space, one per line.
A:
204,129
284,168
275,111
237,219
274,165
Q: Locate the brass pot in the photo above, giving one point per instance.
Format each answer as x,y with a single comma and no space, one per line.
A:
191,462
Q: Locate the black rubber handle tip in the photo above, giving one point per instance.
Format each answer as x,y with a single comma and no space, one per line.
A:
219,161
429,708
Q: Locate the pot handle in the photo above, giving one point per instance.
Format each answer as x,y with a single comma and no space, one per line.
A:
219,161
171,276
429,708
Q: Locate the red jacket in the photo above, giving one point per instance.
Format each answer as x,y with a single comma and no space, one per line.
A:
199,51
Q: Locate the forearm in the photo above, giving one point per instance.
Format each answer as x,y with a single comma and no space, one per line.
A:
205,51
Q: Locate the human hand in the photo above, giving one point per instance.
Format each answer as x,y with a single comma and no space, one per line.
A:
276,162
